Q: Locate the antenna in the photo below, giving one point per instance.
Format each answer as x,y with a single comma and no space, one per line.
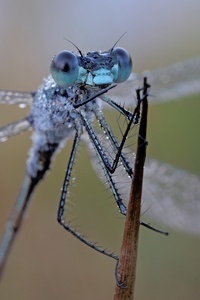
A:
117,41
75,47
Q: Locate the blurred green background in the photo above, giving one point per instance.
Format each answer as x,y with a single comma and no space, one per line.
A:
46,262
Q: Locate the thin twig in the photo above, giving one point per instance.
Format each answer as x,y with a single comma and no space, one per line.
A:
126,267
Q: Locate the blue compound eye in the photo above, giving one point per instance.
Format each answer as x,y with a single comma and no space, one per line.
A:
124,65
64,68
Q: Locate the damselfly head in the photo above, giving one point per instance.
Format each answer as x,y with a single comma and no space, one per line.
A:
95,68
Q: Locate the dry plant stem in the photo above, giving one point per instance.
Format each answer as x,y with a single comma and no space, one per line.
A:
128,255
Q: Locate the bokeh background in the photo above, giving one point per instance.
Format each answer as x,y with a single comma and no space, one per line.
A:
46,262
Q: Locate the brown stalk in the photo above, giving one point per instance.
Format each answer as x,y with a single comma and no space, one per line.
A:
126,268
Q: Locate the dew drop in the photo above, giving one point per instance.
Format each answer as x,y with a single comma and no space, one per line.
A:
22,105
3,139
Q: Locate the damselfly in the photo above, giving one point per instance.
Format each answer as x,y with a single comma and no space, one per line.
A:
68,103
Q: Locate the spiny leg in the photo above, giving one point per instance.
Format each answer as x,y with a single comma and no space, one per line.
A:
112,185
60,216
135,116
114,142
107,100
110,166
117,107
104,161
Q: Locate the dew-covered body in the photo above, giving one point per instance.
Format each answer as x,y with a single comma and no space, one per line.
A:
54,118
